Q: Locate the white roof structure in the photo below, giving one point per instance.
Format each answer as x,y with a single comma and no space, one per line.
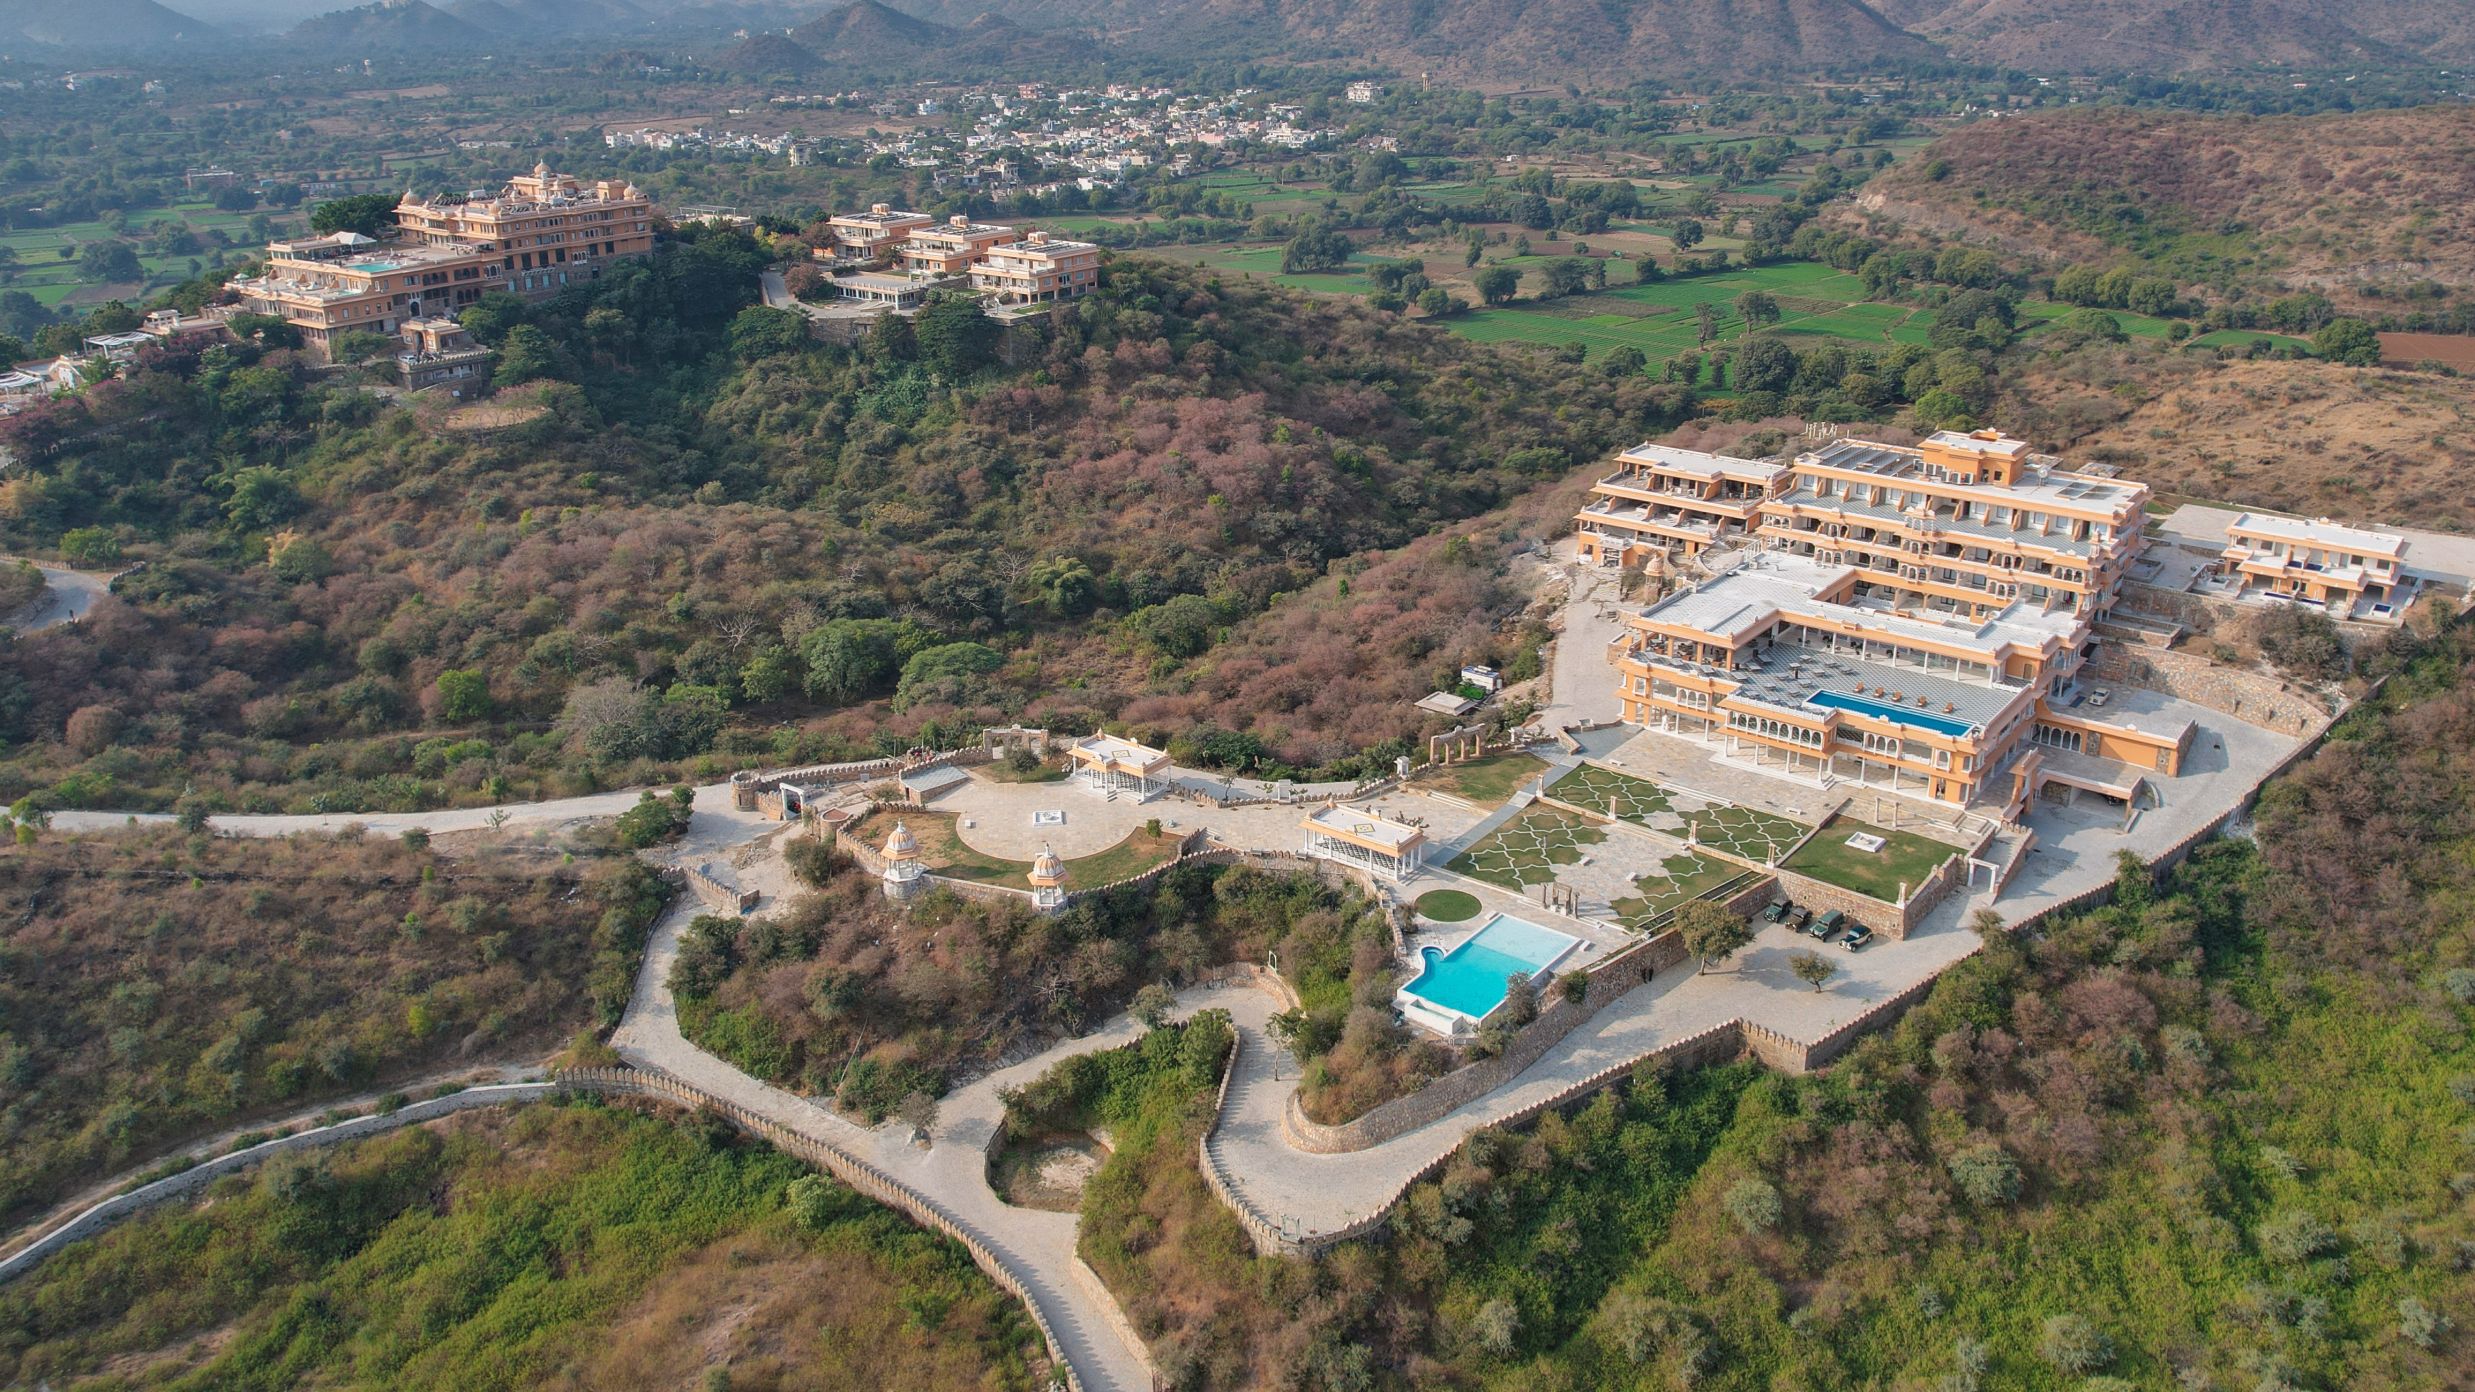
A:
1780,584
2320,532
1119,755
1364,828
1698,464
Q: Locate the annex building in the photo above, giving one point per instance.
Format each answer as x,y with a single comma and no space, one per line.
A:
540,234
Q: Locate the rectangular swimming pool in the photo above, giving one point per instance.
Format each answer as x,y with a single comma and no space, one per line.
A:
1468,981
1884,710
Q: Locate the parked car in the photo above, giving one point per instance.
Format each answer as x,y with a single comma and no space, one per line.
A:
1801,920
1779,910
1856,937
1827,924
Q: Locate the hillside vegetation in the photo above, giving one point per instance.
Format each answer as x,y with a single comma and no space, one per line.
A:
2218,1136
2371,209
576,1246
849,997
2367,445
155,986
729,541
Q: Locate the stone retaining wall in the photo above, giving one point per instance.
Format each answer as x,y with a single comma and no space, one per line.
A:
189,1181
1609,981
2255,698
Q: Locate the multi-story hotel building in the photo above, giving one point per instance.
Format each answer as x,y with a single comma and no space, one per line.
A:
1037,269
951,248
1963,522
874,234
1663,499
543,233
2341,569
1786,666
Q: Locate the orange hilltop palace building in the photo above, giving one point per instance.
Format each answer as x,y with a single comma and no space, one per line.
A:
541,234
1914,617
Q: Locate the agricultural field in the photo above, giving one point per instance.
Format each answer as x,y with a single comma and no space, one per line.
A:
45,258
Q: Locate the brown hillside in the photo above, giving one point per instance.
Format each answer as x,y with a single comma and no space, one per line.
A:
2185,35
2330,203
2367,445
1495,41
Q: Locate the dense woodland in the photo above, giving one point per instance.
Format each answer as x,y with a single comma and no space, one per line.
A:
722,540
551,1246
157,985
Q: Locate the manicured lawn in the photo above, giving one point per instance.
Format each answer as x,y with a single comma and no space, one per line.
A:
1140,851
941,846
1679,880
1526,850
1448,905
1905,858
1487,782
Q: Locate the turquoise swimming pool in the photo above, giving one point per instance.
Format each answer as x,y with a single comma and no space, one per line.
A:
1884,710
1468,981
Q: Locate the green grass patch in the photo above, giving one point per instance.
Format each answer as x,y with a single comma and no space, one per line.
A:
1488,782
1448,905
1905,858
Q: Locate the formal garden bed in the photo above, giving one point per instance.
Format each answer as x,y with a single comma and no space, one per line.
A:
1679,880
1525,851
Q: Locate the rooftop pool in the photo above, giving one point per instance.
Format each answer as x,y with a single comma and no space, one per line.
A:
1468,981
1885,710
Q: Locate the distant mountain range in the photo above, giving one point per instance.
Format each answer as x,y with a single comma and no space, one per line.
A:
1594,42
100,24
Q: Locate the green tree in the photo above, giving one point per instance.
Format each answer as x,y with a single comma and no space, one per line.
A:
369,214
1764,363
760,331
528,353
463,695
1688,233
1319,247
850,659
1757,308
108,260
492,317
1566,275
90,548
946,675
1435,302
1497,284
1067,585
2348,341
1623,360
262,496
1812,968
1710,932
955,337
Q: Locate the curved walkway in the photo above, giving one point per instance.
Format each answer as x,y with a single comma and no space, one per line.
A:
66,597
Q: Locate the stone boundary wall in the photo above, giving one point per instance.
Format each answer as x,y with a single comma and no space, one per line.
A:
1609,980
2255,698
1260,1229
859,1174
862,770
727,898
1713,1045
189,1181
